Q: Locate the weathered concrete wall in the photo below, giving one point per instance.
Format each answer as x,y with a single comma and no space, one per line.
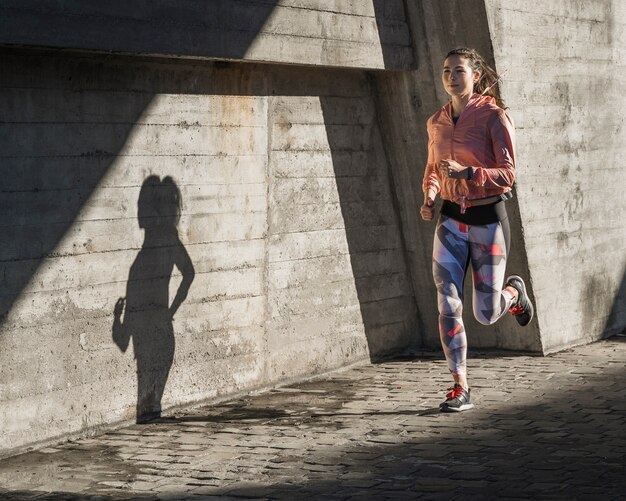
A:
564,86
287,244
336,260
346,33
299,246
562,90
405,101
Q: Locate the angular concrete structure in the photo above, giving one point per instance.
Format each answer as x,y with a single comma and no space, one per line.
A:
222,196
562,90
564,86
178,229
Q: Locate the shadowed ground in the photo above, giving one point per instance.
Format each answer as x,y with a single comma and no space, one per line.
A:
548,427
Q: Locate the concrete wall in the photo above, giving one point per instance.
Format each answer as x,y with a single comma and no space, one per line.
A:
405,101
564,87
287,259
299,247
287,244
346,33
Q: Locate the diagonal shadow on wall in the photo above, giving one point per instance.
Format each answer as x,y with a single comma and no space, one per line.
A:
404,102
59,137
373,231
65,119
616,321
394,33
190,28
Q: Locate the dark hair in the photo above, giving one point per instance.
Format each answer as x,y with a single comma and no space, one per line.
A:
488,75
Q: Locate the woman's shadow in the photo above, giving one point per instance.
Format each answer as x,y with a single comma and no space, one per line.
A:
148,314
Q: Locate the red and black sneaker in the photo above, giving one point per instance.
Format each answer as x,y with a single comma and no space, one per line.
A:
522,310
457,400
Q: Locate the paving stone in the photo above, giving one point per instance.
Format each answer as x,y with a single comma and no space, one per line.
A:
560,438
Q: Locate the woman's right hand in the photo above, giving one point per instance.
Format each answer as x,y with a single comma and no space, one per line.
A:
428,208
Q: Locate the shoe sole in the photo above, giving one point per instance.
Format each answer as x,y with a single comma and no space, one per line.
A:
531,313
465,407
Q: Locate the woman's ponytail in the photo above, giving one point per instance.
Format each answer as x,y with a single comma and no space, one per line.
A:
488,83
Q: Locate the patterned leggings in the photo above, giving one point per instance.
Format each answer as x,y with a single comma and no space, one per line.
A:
456,246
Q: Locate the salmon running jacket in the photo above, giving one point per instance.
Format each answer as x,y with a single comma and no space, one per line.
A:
483,138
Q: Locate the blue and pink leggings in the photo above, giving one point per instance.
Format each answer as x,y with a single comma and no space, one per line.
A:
456,246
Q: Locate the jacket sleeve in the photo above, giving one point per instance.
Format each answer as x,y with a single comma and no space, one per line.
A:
502,175
430,174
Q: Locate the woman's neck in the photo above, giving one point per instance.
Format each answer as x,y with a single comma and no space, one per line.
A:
459,103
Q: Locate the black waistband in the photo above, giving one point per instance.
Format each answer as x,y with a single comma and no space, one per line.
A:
477,215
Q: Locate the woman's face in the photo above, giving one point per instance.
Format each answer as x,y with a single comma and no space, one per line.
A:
458,77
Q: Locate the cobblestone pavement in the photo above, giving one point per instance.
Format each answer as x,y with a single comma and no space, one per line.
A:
544,427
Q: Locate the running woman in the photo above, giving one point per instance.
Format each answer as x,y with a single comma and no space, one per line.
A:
471,165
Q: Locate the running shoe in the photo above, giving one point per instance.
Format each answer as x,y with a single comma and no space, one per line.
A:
522,310
457,400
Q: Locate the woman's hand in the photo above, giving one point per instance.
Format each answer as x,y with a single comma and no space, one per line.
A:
453,169
428,208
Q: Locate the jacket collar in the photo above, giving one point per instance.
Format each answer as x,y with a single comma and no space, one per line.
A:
476,101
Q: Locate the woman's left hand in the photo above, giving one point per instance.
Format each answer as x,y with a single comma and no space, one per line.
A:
453,169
